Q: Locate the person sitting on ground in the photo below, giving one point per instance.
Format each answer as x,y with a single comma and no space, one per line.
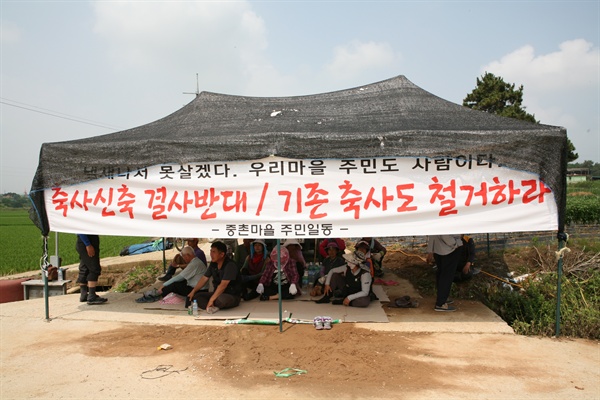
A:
296,257
253,269
333,260
363,248
349,284
242,251
183,283
465,268
193,243
377,252
227,282
323,246
268,285
177,262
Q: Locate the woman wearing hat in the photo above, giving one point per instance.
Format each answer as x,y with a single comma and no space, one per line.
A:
375,252
297,258
253,268
333,260
268,286
325,243
349,284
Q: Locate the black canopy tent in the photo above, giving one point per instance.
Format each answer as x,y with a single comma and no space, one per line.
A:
391,118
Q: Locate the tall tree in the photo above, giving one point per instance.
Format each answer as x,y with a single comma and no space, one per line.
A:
495,96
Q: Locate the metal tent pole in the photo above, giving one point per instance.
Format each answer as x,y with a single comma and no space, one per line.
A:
164,244
45,264
279,284
562,242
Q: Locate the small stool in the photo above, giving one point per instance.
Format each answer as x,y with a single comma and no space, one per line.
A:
35,288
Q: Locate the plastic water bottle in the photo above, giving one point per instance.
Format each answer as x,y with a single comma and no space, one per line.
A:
60,274
195,308
305,278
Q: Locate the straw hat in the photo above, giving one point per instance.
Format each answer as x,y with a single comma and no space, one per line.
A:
291,241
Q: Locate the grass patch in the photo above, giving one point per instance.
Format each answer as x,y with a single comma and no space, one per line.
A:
21,243
137,278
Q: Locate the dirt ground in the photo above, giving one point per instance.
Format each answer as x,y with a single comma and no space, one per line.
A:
99,359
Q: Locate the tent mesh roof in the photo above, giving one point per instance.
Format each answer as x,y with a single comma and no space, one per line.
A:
391,118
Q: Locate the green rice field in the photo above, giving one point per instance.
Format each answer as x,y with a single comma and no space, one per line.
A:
21,243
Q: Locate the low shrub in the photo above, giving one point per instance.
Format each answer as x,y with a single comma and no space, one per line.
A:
532,311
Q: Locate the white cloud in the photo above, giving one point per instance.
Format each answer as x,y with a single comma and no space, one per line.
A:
216,39
9,33
357,57
561,88
575,65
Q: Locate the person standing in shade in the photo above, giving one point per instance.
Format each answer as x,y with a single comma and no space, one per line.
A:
465,268
88,248
445,250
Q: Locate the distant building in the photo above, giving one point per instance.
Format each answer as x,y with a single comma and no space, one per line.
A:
578,175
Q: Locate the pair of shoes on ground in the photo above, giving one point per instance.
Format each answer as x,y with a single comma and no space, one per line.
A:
445,308
165,277
264,297
94,299
321,323
405,302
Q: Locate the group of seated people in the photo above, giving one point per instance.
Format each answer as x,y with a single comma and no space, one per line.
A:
253,272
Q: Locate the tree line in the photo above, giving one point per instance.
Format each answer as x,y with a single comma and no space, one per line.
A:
14,200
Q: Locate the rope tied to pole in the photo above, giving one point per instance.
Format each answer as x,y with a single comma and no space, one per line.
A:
559,254
44,263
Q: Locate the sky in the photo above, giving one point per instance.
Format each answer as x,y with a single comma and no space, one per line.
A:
76,69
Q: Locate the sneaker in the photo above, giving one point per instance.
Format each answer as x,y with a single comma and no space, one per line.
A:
475,271
449,300
165,278
212,309
327,323
445,308
318,323
323,300
250,296
264,297
96,300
